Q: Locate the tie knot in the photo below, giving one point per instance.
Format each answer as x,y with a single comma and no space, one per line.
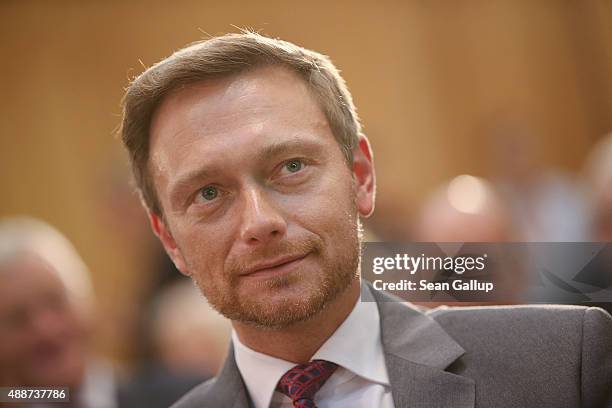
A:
303,381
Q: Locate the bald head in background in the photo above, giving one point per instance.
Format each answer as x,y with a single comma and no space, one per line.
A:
467,209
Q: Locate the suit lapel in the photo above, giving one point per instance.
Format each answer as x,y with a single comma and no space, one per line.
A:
417,352
229,390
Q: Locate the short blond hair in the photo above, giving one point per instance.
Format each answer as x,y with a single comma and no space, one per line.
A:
220,57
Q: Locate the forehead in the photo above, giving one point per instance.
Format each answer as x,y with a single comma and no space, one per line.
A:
267,93
232,116
26,277
269,85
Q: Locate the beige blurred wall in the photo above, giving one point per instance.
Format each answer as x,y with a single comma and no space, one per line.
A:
426,77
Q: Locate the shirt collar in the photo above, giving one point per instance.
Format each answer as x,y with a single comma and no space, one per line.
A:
356,346
259,371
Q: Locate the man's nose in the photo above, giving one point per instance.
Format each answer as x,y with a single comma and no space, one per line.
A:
262,221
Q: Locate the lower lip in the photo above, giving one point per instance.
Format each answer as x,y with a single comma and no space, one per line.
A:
275,271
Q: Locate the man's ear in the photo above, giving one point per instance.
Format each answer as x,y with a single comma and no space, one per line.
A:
365,178
165,236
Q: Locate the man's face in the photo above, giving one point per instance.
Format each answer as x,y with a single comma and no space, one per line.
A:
43,336
260,207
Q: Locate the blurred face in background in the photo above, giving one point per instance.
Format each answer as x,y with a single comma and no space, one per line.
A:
260,206
42,335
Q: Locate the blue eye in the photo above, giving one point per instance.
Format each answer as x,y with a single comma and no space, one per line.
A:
209,193
293,166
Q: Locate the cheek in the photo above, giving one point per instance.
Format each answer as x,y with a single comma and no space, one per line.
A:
17,348
330,211
204,246
74,323
11,345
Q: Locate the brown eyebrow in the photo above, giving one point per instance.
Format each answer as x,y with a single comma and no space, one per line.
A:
271,150
278,148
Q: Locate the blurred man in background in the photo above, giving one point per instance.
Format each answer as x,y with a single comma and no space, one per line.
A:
46,316
469,209
547,203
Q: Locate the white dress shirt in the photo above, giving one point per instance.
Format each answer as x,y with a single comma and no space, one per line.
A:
361,379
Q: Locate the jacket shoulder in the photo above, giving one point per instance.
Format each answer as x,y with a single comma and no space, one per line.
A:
552,315
508,323
548,331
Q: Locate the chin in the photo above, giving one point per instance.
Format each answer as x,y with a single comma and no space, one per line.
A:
288,301
281,314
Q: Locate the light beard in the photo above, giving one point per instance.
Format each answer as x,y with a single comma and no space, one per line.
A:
338,273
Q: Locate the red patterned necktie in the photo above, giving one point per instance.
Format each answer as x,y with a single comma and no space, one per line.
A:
303,381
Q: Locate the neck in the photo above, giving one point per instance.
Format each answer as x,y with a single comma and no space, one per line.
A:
300,341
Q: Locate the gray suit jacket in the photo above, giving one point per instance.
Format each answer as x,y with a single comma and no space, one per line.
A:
498,357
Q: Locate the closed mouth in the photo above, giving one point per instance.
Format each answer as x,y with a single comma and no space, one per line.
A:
275,267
